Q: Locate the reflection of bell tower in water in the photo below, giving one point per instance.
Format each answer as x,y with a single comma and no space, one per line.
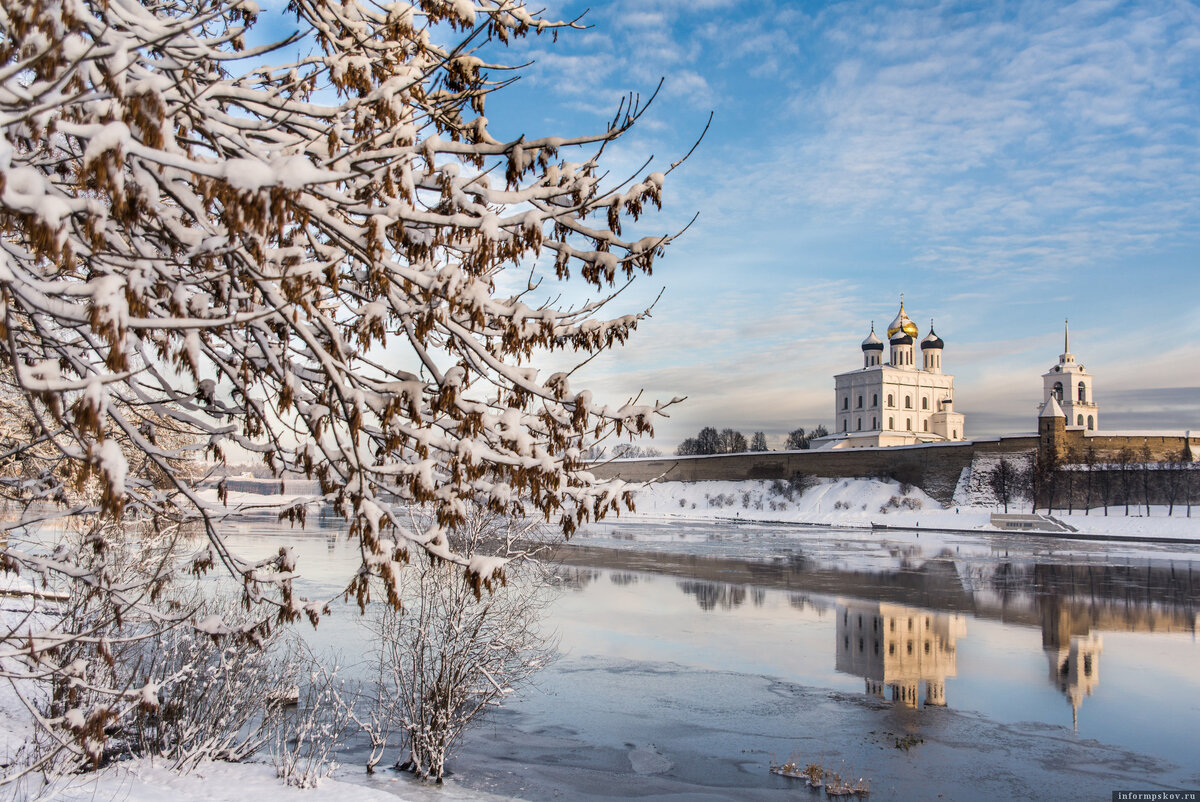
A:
1074,659
896,647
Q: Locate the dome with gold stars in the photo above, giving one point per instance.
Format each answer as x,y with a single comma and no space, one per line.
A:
902,324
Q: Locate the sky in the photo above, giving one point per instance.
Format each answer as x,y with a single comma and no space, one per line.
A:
1005,166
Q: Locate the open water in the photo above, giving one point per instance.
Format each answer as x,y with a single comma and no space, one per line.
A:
936,667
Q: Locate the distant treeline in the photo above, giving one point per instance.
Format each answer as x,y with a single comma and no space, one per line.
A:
731,441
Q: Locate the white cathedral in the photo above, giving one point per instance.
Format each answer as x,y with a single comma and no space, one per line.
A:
895,403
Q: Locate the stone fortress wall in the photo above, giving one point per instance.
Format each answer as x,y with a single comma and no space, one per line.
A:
934,467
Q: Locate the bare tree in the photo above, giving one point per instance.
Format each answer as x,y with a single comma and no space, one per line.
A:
758,442
1104,478
1004,481
206,238
1089,462
708,441
1126,468
1174,476
798,439
1148,473
452,650
731,441
1068,476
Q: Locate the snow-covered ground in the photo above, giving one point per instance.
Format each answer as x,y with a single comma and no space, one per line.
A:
147,781
830,502
862,502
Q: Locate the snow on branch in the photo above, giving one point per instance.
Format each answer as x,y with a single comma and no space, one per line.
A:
200,249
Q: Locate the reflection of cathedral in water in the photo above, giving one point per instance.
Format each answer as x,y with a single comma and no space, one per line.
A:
896,648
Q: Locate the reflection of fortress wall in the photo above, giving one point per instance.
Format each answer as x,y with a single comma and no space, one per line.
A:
897,647
1127,598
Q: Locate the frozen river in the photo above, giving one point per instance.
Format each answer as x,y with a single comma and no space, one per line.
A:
959,667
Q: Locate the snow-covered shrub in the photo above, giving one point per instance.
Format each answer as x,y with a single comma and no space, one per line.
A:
160,665
450,651
901,503
212,699
781,488
303,737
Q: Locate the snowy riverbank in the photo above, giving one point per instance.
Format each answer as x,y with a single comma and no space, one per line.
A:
148,781
864,502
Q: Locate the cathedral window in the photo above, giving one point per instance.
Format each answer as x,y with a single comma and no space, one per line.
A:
860,424
908,402
860,402
1091,422
843,426
874,422
846,402
1082,393
1058,392
891,400
875,399
924,403
1080,421
891,423
926,425
910,424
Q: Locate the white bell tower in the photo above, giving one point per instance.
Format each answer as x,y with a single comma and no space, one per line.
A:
1071,386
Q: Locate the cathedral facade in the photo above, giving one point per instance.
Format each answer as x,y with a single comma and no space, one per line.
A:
896,402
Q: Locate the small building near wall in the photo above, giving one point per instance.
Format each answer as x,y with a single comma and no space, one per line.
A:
895,402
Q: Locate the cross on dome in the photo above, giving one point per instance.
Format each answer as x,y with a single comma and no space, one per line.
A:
902,323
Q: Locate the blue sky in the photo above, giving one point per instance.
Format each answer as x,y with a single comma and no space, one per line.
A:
1004,165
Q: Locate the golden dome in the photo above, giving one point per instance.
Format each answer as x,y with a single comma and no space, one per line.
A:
902,323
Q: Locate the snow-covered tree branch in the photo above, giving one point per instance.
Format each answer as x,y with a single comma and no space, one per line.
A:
297,250
304,260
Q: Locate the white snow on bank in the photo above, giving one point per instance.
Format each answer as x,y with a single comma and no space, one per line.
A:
862,502
146,781
238,502
827,501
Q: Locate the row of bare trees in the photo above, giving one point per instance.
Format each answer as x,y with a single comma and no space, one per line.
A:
1132,480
